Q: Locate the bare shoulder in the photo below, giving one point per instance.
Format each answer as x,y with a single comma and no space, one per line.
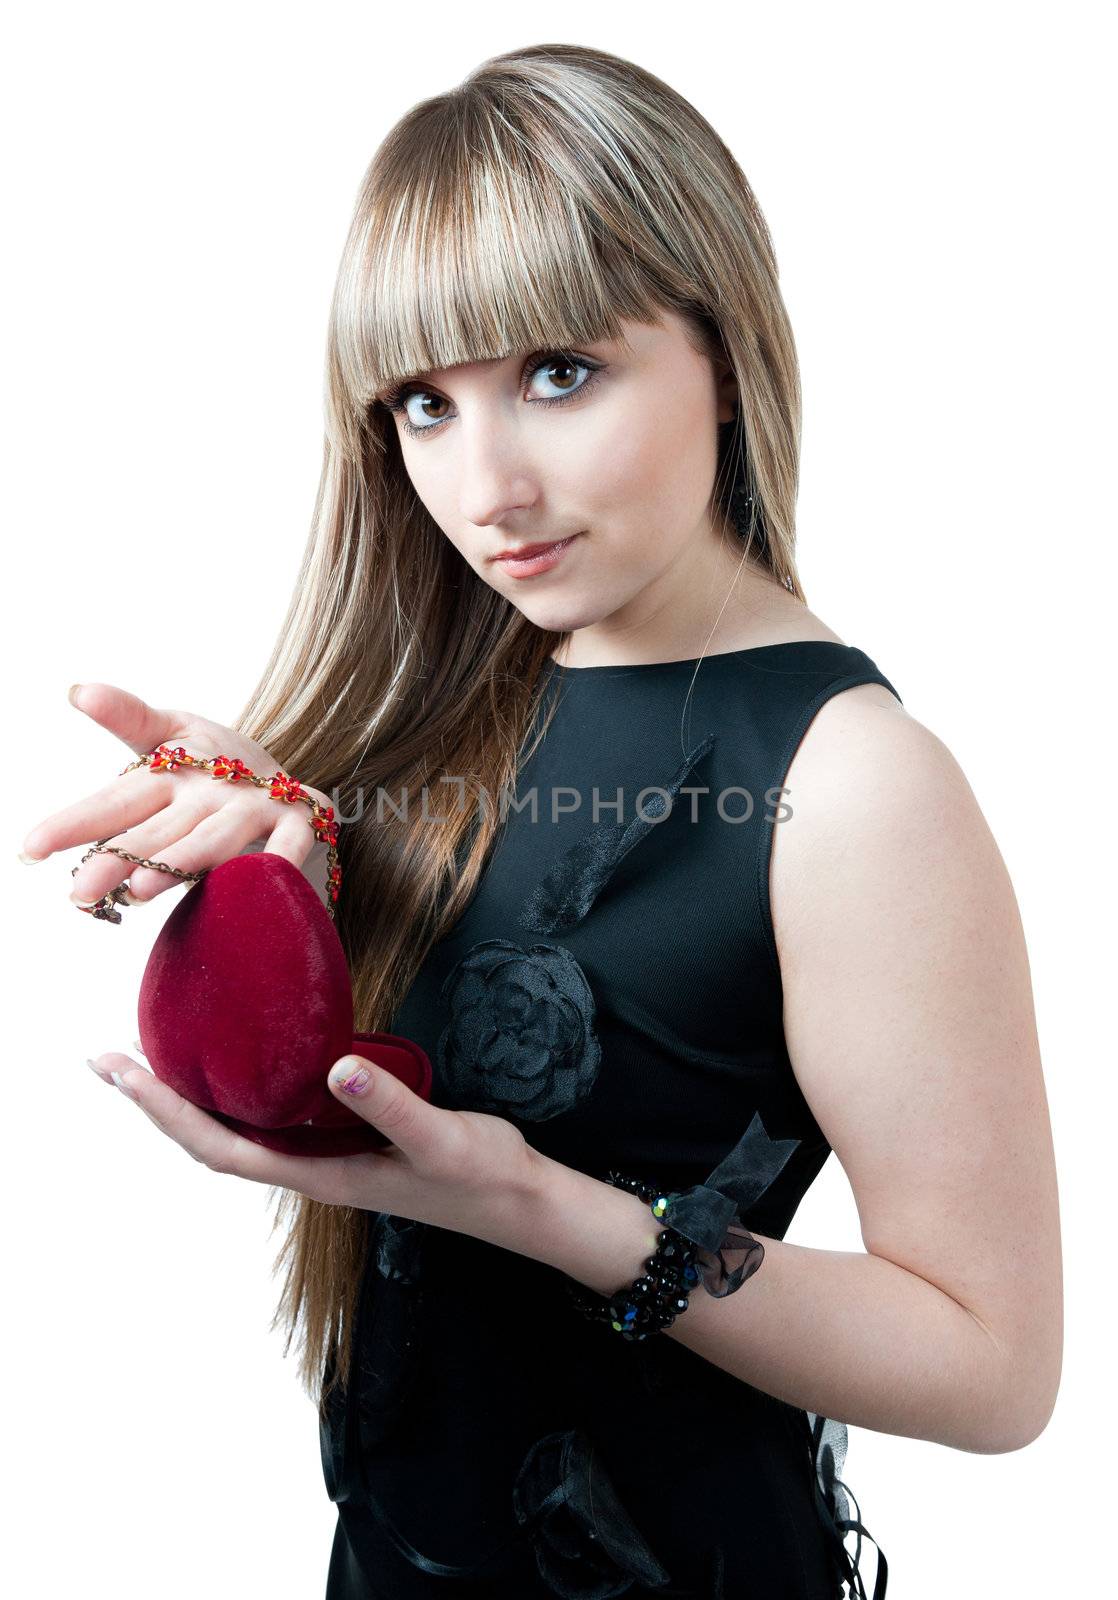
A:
872,785
864,762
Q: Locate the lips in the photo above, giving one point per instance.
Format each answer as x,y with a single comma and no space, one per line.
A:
527,550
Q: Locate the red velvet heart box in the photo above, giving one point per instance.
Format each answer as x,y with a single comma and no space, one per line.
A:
246,1004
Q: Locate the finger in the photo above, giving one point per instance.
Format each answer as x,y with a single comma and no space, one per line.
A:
104,870
201,1136
333,1180
120,804
218,837
292,836
129,798
137,724
425,1134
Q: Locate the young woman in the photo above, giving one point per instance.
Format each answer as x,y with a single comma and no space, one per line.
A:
558,323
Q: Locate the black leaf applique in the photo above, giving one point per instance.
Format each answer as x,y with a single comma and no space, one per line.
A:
571,887
384,1369
387,1365
587,1546
520,1040
710,1213
396,1244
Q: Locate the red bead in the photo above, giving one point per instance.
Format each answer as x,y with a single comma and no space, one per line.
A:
285,788
324,828
231,768
170,759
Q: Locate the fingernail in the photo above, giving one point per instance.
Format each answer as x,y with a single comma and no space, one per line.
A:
92,1067
351,1077
29,859
71,692
86,903
122,1086
136,1045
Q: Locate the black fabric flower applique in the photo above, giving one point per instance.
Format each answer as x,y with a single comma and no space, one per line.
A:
586,1545
710,1213
520,1040
582,872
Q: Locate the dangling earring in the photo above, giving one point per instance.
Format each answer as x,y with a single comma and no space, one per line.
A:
741,501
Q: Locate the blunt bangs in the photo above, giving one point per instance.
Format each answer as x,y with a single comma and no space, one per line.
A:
493,255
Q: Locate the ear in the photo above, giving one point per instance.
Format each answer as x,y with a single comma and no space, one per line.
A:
727,390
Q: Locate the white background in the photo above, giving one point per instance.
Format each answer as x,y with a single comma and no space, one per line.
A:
178,185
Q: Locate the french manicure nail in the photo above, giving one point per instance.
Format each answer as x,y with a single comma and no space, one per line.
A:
93,1069
29,859
122,1086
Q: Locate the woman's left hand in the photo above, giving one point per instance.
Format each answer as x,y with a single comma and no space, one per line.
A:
462,1170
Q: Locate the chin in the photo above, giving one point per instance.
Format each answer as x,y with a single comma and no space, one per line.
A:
561,621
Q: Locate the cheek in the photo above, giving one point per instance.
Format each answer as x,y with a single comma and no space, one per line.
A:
613,464
652,472
424,481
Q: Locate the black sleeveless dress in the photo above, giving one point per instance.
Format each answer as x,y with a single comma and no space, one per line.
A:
614,989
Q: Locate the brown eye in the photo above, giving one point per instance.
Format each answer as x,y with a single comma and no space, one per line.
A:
561,371
433,399
568,365
562,364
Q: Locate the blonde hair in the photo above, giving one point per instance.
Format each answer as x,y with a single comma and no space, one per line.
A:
556,191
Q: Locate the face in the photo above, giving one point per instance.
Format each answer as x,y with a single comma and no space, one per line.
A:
612,447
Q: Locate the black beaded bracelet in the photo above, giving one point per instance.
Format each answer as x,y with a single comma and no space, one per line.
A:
654,1300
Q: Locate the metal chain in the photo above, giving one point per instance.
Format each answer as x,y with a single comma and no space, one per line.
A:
231,770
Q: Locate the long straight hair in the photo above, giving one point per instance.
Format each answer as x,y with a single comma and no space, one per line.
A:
555,192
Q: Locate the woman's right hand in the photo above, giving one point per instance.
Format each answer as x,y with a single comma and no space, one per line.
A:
186,818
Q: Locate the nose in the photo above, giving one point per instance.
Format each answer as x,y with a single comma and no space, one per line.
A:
496,476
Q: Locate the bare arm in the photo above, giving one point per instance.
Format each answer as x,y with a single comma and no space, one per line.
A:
909,1021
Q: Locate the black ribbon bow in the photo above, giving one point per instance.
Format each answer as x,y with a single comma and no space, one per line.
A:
708,1214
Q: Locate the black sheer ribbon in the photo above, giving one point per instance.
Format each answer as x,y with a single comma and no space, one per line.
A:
828,1452
709,1213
